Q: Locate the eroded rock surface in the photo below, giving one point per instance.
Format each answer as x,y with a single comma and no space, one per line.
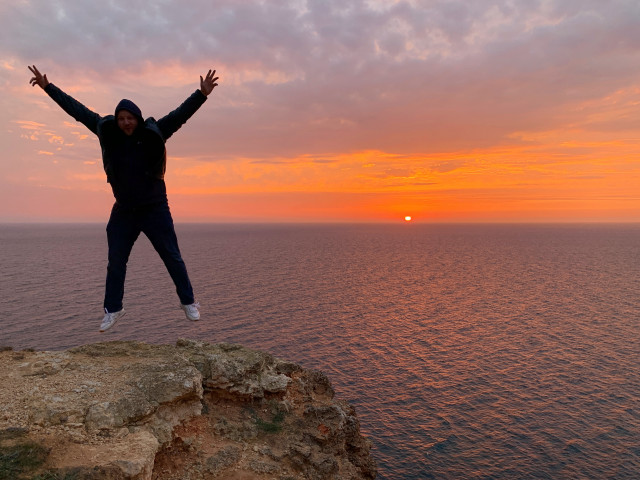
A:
130,410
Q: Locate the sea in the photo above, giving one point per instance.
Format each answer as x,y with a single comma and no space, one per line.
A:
468,351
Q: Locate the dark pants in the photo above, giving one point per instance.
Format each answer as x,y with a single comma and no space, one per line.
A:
123,229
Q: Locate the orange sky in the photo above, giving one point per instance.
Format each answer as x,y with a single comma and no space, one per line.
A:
447,111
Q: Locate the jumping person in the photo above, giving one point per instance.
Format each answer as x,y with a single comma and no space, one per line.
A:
134,159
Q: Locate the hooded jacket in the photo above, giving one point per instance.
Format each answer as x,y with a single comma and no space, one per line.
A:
106,128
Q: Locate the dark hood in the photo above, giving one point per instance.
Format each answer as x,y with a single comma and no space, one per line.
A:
131,107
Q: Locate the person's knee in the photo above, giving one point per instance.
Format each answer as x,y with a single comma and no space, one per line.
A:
117,265
172,258
120,246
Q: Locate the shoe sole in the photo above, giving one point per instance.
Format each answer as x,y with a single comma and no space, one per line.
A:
116,321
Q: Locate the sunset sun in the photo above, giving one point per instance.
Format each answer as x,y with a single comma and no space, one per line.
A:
407,218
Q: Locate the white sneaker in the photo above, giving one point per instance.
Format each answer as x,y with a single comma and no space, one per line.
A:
192,311
110,319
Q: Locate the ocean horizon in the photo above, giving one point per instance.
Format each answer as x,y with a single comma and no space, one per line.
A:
479,351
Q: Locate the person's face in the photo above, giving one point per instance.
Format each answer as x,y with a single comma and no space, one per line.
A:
127,122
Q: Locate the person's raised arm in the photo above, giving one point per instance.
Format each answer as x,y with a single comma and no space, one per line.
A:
69,104
40,79
171,122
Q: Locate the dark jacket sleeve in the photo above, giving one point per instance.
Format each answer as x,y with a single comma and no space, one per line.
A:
170,123
74,108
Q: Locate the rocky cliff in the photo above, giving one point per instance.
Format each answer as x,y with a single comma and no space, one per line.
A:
129,410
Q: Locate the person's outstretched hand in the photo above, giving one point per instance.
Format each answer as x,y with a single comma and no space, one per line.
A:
208,83
39,79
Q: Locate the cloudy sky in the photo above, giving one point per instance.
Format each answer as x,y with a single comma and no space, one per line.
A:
334,110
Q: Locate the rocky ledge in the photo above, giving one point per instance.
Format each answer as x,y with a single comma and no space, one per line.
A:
129,410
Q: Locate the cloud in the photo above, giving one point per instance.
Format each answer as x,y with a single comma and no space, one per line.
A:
27,124
325,64
306,84
396,76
